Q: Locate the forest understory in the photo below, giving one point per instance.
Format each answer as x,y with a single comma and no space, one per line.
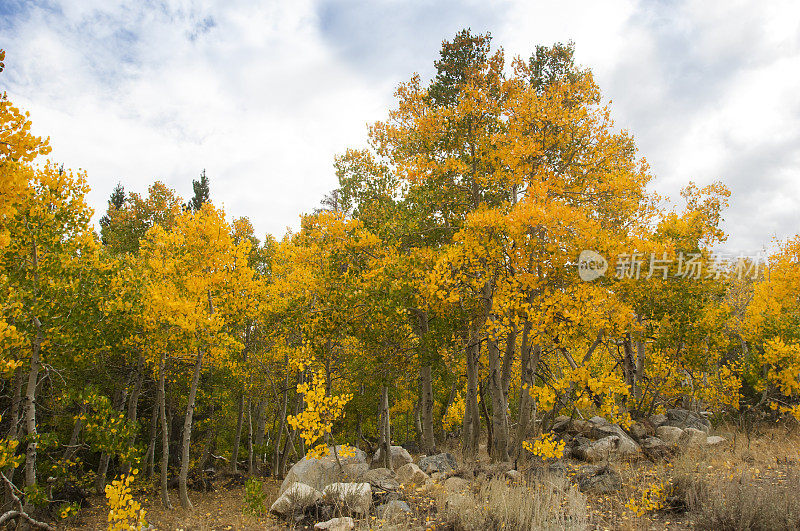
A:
749,483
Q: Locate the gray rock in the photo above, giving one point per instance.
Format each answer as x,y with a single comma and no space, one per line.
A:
659,419
692,437
295,498
564,424
602,480
381,478
598,421
560,423
410,474
640,430
318,473
399,457
443,462
598,450
352,497
683,418
715,440
337,524
652,443
669,434
392,509
626,447
655,448
353,472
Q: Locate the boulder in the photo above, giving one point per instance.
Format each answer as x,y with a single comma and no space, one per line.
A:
655,448
626,447
295,499
599,480
443,462
659,419
352,497
652,443
692,437
669,434
564,424
381,478
641,430
455,484
598,450
410,474
683,418
560,423
715,440
337,524
392,509
399,457
318,473
598,421
353,472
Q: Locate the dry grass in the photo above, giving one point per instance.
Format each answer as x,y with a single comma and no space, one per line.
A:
749,483
548,503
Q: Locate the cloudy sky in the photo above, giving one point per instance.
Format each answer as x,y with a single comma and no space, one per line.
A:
264,96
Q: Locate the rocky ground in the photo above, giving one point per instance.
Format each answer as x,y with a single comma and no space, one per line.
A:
671,471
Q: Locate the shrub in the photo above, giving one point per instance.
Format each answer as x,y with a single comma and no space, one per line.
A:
254,497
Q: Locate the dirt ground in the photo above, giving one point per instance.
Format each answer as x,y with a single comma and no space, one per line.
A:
213,511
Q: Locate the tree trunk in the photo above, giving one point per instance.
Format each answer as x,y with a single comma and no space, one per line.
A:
30,406
251,469
417,421
16,400
288,441
261,423
183,492
276,471
133,405
162,408
237,438
450,397
72,447
639,372
499,405
150,458
471,428
508,359
527,408
385,450
628,363
428,441
486,418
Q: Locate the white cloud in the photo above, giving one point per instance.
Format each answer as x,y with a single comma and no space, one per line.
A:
264,96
